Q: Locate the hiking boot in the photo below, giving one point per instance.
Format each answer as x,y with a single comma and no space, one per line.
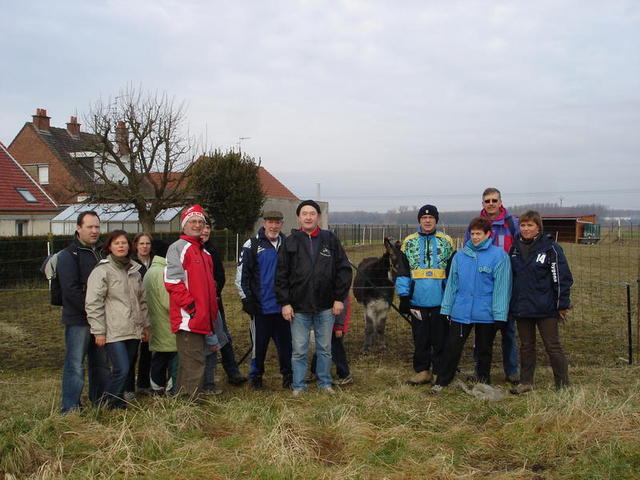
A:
436,389
236,380
256,383
421,378
343,381
512,379
287,380
520,389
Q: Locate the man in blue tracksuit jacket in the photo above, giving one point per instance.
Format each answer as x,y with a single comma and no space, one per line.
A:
255,280
422,274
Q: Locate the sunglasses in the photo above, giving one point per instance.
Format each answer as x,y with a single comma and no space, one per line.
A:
491,200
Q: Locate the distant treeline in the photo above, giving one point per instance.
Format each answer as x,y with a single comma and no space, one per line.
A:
407,215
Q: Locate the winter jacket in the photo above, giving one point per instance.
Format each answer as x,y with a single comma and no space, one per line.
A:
541,282
143,267
75,263
115,303
504,229
162,338
313,271
256,274
423,267
479,285
188,277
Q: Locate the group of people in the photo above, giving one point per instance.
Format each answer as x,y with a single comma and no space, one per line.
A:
126,303
508,273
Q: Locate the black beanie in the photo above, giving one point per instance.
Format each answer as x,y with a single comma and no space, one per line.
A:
428,210
310,203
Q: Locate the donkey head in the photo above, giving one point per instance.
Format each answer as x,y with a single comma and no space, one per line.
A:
393,256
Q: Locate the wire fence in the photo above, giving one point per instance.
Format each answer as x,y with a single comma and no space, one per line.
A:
602,328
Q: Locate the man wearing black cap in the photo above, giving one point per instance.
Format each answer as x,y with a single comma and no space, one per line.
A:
255,280
312,280
420,286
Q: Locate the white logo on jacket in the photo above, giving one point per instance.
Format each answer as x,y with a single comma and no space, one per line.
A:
541,258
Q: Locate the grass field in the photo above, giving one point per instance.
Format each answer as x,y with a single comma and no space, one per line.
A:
377,428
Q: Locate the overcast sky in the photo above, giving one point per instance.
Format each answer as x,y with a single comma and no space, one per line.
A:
382,103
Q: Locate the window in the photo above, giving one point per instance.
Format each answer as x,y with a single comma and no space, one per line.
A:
43,174
27,195
21,227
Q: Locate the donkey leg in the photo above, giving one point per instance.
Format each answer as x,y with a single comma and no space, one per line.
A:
369,330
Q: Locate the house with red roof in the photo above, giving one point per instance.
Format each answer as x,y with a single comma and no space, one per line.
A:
25,207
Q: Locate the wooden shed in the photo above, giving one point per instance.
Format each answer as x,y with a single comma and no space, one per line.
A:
572,228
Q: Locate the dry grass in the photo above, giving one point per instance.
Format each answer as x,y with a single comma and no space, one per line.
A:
378,428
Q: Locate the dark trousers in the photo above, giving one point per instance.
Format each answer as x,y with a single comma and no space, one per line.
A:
143,360
338,356
263,329
429,338
550,334
227,354
190,362
121,354
163,367
458,334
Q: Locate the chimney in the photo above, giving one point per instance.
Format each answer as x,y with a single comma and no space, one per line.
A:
122,138
73,127
40,119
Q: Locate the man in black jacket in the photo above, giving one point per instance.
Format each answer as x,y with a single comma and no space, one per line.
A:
312,279
75,263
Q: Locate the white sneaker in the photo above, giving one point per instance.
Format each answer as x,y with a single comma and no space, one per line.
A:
343,381
329,391
296,393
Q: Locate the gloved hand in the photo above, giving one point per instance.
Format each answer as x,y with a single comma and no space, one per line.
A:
405,305
248,306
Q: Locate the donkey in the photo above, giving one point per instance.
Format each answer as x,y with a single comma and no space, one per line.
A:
373,287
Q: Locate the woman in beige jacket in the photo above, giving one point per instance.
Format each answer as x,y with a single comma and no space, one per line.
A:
117,311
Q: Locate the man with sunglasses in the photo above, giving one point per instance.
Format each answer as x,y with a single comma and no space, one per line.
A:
504,230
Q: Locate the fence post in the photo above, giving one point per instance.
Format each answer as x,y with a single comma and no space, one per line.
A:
629,330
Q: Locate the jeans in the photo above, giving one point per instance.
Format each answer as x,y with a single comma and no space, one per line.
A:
122,355
322,324
338,355
227,354
78,343
210,362
263,329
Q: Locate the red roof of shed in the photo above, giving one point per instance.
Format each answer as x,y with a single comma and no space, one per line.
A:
272,187
15,178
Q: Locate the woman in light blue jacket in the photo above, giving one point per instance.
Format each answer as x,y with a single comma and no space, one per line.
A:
477,294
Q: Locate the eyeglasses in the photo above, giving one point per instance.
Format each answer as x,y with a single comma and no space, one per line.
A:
491,200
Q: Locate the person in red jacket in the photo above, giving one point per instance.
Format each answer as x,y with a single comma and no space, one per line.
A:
193,305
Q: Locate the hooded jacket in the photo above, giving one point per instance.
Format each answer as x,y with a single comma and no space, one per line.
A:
313,271
74,266
188,277
115,303
479,285
423,267
542,281
162,338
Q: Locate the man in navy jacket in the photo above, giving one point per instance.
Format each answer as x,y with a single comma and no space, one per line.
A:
255,280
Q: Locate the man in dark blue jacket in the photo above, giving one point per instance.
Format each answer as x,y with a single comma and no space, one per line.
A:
75,263
255,280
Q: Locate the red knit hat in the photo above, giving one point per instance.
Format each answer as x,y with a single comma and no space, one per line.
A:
193,211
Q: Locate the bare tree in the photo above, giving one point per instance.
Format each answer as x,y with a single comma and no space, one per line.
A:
143,152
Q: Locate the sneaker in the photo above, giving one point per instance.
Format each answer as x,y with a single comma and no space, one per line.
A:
256,383
436,389
343,381
520,389
512,379
421,378
287,380
329,391
237,380
296,393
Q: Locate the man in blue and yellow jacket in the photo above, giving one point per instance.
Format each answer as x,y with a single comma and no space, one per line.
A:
420,284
